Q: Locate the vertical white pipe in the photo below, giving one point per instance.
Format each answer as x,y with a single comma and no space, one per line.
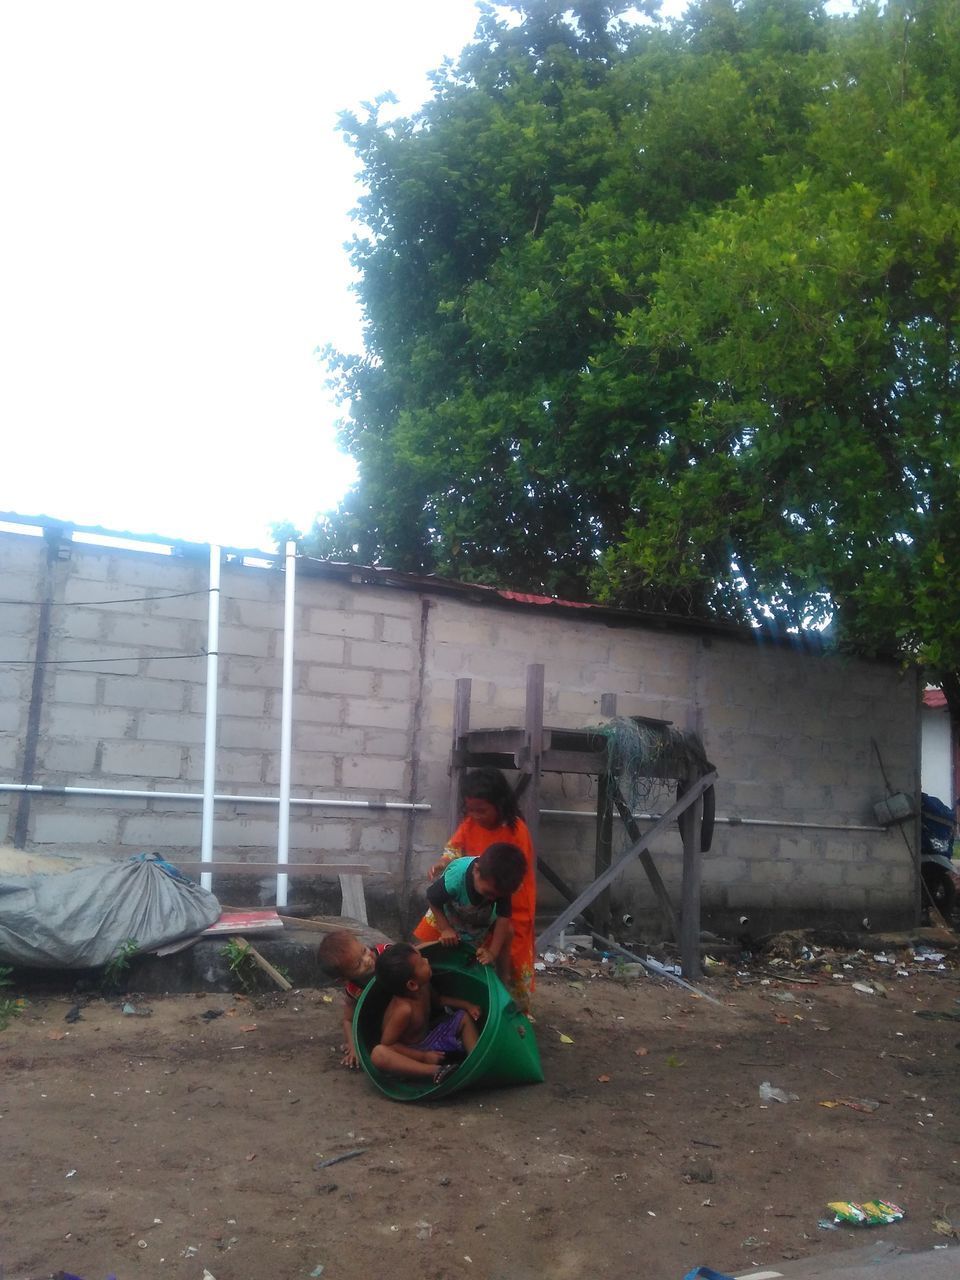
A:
286,720
210,724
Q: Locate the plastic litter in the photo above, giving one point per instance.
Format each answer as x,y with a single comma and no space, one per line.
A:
768,1093
705,1273
871,1213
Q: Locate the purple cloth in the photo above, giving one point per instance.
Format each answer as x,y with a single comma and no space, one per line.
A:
444,1036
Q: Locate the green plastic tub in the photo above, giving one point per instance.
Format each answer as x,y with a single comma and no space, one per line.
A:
506,1051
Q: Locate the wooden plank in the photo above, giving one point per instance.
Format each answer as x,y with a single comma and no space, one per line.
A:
667,909
283,868
591,892
265,965
353,902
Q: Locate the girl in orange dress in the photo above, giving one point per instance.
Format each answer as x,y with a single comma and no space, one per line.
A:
493,817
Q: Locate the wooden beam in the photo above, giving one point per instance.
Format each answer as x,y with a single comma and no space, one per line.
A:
265,965
533,750
603,853
461,727
669,912
576,908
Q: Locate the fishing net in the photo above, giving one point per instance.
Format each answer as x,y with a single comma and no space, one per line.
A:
645,758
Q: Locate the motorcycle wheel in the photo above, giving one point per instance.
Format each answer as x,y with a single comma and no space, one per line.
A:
942,890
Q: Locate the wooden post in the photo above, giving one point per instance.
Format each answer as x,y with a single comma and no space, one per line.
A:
461,727
690,825
604,848
533,750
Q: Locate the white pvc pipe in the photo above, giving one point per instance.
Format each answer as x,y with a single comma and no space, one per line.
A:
286,719
210,720
731,822
405,806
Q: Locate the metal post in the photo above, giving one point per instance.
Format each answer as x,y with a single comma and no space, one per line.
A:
210,722
286,719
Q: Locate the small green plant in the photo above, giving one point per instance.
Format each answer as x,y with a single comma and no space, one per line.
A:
9,1009
114,971
241,962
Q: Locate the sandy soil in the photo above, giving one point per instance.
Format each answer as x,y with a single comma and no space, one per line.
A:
169,1145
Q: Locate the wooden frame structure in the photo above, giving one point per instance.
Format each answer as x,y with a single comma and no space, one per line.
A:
535,749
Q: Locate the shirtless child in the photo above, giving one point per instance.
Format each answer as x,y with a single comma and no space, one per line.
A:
417,1034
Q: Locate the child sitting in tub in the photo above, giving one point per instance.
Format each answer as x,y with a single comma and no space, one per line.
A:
342,955
420,1029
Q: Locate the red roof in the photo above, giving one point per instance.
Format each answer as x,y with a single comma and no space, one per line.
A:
934,698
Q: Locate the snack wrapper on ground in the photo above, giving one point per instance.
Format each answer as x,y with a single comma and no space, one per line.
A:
871,1213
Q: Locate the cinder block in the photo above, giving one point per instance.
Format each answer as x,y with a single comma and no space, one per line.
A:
149,632
130,691
324,835
373,775
464,628
307,773
377,742
13,717
248,672
388,657
67,721
380,837
324,650
142,759
378,715
341,680
398,631
244,642
230,701
70,686
232,768
173,669
333,738
161,831
20,619
183,728
260,615
340,622
313,709
76,827
9,753
247,733
67,757
401,688
79,624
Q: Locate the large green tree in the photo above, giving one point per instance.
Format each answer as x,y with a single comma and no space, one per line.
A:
666,314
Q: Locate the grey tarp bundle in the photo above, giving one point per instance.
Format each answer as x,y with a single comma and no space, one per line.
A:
80,919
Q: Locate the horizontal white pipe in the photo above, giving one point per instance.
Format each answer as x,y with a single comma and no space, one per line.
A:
198,795
732,822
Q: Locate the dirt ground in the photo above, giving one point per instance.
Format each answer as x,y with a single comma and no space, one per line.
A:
172,1147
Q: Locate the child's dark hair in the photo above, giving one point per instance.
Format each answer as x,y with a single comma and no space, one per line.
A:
505,865
395,968
333,951
489,784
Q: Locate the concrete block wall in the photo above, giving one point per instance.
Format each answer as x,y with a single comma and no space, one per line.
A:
123,700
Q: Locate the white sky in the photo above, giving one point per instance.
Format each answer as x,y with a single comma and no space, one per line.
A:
176,203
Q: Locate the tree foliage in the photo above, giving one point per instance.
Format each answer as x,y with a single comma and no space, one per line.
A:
667,314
